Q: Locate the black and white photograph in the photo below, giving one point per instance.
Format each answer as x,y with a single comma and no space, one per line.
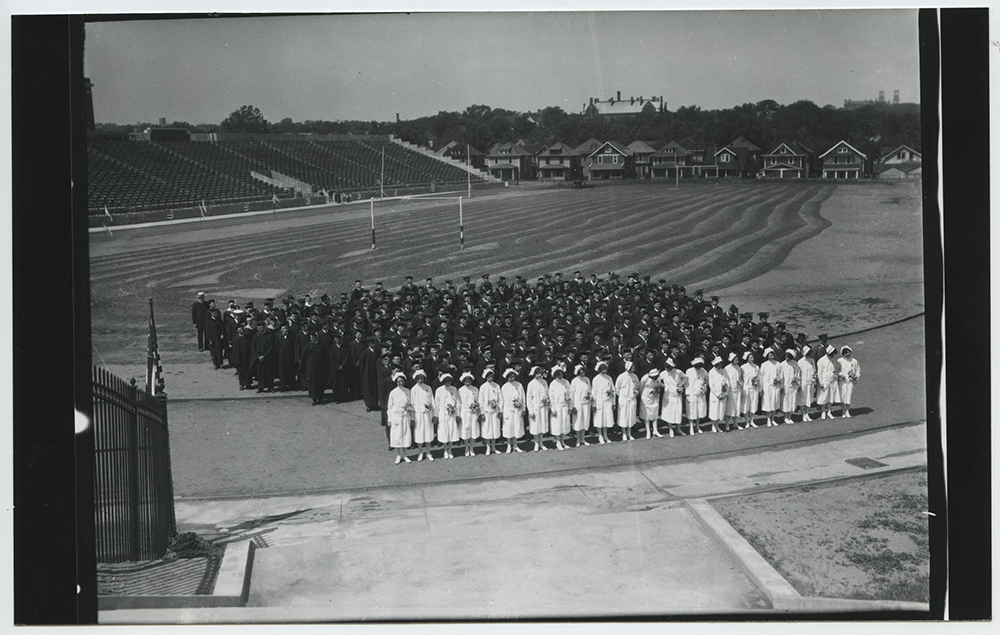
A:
492,316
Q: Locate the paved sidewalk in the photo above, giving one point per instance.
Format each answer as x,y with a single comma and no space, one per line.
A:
593,542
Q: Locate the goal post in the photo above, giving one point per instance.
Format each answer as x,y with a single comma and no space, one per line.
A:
417,198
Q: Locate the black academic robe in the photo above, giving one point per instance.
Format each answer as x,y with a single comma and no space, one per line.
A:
314,365
264,358
368,376
286,362
213,339
338,356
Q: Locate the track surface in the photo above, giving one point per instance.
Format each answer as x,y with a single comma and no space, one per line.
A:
725,234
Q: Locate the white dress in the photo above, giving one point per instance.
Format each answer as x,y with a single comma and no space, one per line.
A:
513,409
791,379
627,388
490,404
751,389
824,373
718,391
560,406
424,411
398,413
538,395
469,427
673,381
770,386
807,389
734,401
447,423
604,401
649,398
848,368
580,387
697,387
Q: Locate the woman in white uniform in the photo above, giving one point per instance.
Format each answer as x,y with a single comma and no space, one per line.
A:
490,404
734,403
604,401
826,378
770,383
560,407
399,412
751,388
649,401
513,410
538,407
850,373
424,414
468,396
697,387
448,407
791,379
807,387
718,393
673,381
627,389
580,387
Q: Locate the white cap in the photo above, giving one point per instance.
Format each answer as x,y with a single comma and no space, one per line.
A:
534,370
747,355
805,349
578,368
697,360
487,371
469,375
601,365
670,362
419,373
654,372
846,349
830,348
716,360
732,356
396,375
508,372
629,365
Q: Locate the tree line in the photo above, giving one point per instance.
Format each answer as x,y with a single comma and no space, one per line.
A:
874,129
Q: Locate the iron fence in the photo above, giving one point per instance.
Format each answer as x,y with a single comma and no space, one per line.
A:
133,488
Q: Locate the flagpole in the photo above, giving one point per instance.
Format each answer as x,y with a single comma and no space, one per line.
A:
461,226
373,222
468,171
381,182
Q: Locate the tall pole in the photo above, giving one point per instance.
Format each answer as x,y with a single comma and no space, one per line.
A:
373,222
468,171
381,183
461,226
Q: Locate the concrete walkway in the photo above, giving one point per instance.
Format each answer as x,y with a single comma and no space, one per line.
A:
592,542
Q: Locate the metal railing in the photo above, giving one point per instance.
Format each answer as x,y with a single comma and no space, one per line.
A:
133,488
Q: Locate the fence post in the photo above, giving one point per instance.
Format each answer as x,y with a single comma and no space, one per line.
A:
135,548
172,524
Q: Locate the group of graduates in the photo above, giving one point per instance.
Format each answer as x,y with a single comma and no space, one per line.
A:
573,354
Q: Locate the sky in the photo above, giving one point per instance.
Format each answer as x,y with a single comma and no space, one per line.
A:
371,67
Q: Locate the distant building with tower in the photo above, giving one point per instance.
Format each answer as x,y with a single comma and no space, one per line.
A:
854,104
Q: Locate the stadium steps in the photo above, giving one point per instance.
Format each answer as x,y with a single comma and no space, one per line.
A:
480,174
213,193
398,161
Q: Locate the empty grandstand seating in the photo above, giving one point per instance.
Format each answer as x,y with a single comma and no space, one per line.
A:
126,174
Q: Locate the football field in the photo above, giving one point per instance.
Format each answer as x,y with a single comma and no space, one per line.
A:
698,235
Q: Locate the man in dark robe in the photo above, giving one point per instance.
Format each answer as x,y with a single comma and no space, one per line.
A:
286,360
213,336
240,358
264,354
352,380
314,365
369,376
198,311
338,354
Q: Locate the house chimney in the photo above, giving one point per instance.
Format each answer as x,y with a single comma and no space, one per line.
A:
618,95
397,117
881,96
895,97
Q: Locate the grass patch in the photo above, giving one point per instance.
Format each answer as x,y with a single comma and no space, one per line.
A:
861,539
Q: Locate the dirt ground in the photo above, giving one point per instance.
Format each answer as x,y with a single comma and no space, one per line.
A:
864,539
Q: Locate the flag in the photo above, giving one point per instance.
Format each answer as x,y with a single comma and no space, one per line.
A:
154,372
107,214
274,199
204,210
326,195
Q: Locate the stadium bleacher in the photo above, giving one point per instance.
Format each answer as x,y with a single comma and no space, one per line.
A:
137,174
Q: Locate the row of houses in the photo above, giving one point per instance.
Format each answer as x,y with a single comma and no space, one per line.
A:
594,160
